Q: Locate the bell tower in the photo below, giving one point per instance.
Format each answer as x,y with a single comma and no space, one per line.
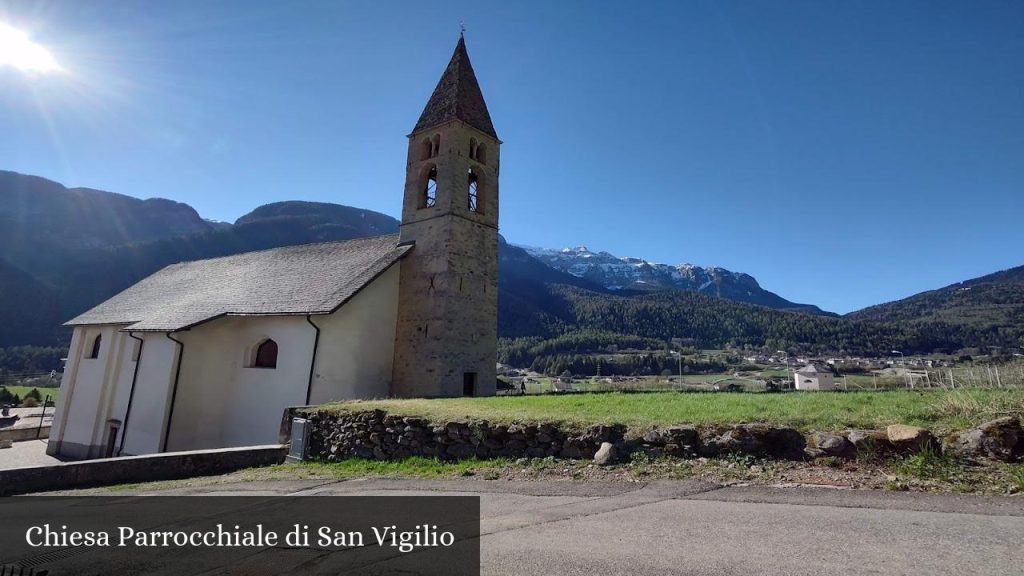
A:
446,337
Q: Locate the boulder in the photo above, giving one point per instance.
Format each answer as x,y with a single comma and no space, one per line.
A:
606,454
868,441
908,439
829,444
998,439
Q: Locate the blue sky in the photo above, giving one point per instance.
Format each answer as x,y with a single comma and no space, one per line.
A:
844,153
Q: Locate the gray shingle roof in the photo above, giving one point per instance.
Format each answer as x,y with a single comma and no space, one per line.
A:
457,96
308,279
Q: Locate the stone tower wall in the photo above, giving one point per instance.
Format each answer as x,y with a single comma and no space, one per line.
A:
448,293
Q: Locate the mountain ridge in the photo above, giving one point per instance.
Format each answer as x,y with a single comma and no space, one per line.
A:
630,273
63,255
996,298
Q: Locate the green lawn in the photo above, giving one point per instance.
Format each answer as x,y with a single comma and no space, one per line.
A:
22,390
937,409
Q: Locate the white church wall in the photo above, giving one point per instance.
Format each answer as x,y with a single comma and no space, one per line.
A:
81,411
357,344
143,433
222,400
61,412
826,381
117,398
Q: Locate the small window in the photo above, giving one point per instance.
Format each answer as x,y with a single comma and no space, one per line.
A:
481,154
429,199
469,384
436,141
472,148
474,192
426,149
94,352
266,355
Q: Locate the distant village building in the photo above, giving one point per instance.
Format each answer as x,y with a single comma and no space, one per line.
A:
811,377
208,354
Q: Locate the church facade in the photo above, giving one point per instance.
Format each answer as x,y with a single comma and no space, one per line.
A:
208,354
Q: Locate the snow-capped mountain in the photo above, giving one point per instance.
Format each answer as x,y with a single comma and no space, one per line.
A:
617,273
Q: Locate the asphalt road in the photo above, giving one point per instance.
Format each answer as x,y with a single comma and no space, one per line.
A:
693,528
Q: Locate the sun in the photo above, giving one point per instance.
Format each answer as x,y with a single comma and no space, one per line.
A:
19,51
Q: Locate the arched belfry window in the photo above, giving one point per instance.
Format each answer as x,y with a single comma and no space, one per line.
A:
436,141
426,149
474,192
266,355
428,199
472,148
94,352
481,154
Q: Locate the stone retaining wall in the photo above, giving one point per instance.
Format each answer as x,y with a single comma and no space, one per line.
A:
23,433
378,435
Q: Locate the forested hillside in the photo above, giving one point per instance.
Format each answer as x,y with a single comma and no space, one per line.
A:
992,300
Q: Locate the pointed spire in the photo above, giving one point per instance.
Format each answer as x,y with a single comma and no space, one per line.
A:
457,96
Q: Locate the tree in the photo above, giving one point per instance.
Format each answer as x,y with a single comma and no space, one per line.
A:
8,398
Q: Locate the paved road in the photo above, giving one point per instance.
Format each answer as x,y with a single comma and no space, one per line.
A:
693,528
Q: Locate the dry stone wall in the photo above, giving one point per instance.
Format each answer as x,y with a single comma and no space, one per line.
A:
378,435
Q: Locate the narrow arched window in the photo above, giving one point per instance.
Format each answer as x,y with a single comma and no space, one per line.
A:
472,148
426,149
429,196
481,154
474,192
266,355
437,145
96,342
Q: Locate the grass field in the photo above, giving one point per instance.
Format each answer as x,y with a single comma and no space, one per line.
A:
939,410
22,390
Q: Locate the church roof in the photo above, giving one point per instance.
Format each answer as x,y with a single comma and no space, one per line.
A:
307,279
809,369
457,97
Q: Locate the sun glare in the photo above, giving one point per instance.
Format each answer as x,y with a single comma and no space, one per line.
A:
19,51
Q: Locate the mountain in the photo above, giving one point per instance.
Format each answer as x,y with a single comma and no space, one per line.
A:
992,300
615,273
40,220
66,250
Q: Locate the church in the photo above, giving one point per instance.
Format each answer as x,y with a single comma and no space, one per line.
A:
208,354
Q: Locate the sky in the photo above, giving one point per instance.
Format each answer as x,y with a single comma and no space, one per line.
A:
844,153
